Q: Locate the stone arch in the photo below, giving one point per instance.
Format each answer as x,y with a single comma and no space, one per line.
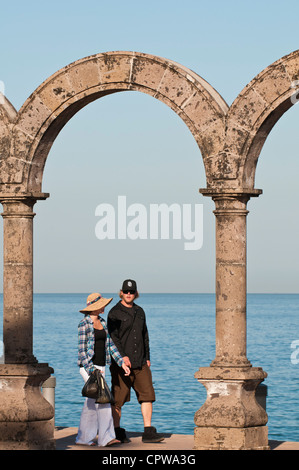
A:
57,99
256,110
7,116
230,140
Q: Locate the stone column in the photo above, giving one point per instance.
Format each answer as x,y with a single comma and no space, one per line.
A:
18,280
231,417
25,415
230,215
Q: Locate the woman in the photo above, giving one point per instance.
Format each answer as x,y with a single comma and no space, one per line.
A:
94,352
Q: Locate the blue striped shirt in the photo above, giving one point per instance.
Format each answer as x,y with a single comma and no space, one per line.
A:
86,345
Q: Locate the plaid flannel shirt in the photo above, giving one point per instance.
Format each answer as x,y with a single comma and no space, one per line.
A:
86,345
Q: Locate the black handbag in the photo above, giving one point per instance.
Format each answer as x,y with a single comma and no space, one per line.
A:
104,392
96,387
91,387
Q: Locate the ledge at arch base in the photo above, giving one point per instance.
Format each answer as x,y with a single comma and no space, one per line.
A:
229,140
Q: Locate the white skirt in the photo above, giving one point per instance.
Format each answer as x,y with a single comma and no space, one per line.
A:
96,422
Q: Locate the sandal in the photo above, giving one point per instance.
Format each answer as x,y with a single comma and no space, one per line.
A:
82,444
113,442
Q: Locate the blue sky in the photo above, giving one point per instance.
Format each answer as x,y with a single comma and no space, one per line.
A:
131,144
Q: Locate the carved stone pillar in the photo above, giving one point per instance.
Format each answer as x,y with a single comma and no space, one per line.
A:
25,415
231,215
230,418
18,280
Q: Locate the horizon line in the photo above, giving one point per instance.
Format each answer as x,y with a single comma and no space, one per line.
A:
163,293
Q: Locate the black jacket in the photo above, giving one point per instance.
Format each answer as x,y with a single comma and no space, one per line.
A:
127,328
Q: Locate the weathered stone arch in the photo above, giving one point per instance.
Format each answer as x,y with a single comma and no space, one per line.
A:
26,138
230,140
256,110
249,121
56,100
7,116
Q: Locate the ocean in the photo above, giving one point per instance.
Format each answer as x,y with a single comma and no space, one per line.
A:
182,339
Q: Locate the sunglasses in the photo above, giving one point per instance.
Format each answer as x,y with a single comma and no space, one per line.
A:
129,292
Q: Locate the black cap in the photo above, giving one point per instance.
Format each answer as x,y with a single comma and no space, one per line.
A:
130,285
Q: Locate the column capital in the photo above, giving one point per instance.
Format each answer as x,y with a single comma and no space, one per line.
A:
230,202
14,196
20,204
231,192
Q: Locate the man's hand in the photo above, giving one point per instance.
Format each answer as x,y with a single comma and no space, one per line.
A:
126,369
127,361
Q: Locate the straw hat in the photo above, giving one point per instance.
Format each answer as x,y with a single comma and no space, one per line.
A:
94,302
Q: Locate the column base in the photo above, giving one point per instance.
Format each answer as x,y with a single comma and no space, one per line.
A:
26,417
33,435
217,438
231,417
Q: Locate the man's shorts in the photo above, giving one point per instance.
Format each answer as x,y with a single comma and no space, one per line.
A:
139,379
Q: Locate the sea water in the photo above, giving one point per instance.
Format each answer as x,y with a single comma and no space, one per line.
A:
182,339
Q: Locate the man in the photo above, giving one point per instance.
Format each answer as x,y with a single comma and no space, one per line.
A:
127,327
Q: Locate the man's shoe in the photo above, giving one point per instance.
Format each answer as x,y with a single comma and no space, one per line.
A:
121,436
150,435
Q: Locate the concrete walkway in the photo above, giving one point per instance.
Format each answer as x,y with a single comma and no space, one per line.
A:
65,440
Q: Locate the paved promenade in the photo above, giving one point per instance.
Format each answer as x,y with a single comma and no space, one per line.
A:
65,440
